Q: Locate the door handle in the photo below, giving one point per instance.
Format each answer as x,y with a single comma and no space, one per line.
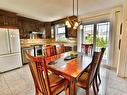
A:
121,28
119,44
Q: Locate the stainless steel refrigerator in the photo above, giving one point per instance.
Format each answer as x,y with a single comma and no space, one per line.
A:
10,52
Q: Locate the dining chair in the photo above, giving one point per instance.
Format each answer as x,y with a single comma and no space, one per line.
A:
62,47
50,53
86,79
46,83
87,48
98,69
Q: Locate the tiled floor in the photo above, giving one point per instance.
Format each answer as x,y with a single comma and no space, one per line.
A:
19,82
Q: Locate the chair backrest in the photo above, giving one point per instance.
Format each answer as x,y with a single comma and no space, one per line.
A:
53,50
62,48
50,51
93,67
47,51
40,74
101,56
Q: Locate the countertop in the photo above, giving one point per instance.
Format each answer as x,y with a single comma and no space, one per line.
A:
28,45
30,42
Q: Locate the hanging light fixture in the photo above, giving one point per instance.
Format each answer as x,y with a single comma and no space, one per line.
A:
73,23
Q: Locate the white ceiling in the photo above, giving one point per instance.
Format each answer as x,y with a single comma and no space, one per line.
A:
50,10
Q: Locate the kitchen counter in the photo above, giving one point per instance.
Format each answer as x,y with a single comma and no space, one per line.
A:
26,43
29,47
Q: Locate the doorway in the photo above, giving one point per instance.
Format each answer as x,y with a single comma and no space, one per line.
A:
94,37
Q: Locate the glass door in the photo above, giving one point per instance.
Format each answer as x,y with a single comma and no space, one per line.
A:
88,39
102,38
94,37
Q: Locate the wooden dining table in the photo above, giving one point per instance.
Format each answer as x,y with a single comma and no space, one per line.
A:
71,69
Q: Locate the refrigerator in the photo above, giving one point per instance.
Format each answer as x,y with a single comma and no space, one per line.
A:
10,52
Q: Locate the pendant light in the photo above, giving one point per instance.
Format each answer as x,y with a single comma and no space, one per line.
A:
73,23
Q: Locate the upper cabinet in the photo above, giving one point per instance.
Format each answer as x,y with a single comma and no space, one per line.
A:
47,29
27,25
8,18
11,20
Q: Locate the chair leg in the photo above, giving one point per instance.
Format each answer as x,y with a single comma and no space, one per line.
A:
99,78
97,86
37,92
95,93
87,91
67,91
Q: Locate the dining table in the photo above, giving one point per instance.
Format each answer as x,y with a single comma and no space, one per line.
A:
70,65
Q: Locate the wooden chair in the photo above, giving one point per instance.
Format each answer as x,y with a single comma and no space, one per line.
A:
98,69
86,79
50,53
62,48
45,83
87,48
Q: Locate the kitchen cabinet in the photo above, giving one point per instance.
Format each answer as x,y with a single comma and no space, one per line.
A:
8,18
48,29
26,25
2,20
11,21
67,48
70,48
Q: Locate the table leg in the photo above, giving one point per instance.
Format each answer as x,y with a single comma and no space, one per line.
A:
73,90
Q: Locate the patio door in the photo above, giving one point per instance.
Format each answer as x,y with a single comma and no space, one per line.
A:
95,36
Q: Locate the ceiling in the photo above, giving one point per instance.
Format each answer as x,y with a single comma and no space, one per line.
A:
50,10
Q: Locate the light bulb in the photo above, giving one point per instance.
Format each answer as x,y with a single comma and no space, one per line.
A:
76,24
67,22
74,27
69,25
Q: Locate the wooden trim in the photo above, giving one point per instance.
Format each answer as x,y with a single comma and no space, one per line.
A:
12,27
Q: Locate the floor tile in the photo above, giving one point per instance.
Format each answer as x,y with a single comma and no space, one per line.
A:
20,82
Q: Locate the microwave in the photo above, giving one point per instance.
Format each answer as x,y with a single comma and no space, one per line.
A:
36,35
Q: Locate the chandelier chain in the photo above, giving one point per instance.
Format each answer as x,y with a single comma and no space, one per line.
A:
73,7
77,8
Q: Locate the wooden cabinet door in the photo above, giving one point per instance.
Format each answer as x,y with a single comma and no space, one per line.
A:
48,30
2,20
11,21
21,30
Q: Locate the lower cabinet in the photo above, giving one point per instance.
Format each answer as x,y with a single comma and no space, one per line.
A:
70,48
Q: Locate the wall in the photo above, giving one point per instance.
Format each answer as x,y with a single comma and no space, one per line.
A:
112,16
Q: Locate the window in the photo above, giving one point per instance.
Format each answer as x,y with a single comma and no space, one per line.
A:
61,34
88,34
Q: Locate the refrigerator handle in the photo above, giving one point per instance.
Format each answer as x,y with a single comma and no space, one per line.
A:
9,35
14,40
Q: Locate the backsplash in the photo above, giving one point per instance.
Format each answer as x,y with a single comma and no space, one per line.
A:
36,41
39,41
